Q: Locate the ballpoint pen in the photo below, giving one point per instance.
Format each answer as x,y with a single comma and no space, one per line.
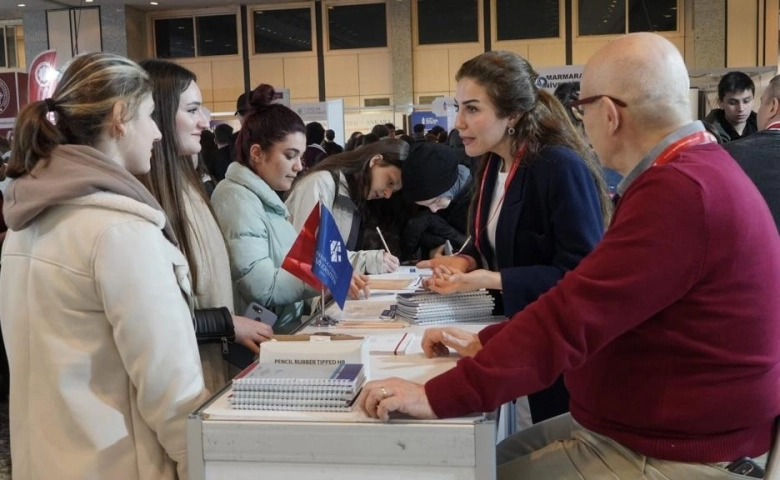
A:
468,239
382,237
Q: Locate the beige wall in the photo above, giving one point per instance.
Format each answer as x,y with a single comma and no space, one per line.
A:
357,75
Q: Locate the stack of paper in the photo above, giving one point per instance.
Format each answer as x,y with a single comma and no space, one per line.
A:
313,388
426,308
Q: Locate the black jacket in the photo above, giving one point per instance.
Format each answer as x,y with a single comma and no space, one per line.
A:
427,230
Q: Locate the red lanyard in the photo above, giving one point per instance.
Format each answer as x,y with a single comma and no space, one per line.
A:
670,153
773,126
512,172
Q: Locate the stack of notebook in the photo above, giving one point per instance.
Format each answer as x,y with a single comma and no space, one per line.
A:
427,308
310,388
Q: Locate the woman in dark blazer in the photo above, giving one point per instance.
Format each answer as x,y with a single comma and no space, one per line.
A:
541,203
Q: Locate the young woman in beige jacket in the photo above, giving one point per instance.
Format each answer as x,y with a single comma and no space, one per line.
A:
94,294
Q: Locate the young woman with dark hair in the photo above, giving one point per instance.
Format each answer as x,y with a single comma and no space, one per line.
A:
253,219
344,183
93,291
541,203
175,181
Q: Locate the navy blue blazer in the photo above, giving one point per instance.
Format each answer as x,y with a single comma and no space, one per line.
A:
550,219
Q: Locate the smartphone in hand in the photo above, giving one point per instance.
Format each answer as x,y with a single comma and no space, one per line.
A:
255,311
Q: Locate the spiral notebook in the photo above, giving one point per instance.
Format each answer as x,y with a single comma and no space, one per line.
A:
426,308
292,376
290,387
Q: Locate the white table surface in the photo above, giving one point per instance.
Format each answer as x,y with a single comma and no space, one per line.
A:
240,444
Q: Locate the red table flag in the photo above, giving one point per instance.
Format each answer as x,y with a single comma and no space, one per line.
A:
300,258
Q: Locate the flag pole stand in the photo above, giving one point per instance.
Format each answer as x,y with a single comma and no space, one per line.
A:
322,319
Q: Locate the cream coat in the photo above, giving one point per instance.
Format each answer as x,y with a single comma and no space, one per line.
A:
214,287
104,363
320,187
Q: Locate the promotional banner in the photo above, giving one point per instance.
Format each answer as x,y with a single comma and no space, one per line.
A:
550,77
13,96
42,76
429,119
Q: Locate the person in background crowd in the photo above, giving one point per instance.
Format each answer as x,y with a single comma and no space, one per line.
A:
254,220
399,132
223,136
759,154
642,329
331,147
418,132
208,152
381,131
93,291
177,184
434,180
541,204
390,130
344,183
355,140
568,93
315,135
369,138
735,118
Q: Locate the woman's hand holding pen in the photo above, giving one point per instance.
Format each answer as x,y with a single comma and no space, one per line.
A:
437,342
390,262
453,262
449,280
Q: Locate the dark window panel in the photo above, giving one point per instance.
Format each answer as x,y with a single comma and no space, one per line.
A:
217,35
602,17
357,26
174,38
526,19
652,16
2,49
283,31
10,40
447,21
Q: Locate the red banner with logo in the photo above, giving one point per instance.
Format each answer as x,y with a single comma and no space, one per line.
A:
43,76
13,96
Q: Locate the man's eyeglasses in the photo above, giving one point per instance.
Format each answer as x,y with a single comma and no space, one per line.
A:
578,104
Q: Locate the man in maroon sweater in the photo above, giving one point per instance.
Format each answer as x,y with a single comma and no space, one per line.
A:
667,333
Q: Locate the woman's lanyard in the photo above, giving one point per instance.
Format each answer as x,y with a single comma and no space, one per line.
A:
512,172
688,141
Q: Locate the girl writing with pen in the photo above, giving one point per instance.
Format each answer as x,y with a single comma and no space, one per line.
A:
541,203
344,183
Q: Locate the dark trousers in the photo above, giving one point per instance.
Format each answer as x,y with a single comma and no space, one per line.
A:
550,402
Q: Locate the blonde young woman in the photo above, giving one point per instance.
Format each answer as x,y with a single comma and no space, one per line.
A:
94,294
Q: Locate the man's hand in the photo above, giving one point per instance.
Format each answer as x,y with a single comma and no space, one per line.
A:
380,397
437,342
251,333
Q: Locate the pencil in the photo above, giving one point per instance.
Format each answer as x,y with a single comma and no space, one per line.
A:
382,237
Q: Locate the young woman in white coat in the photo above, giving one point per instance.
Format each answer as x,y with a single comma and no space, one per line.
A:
175,183
343,183
94,294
